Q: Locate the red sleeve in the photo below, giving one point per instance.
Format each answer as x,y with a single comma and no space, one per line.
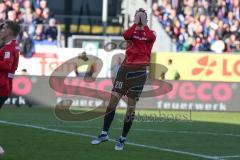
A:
8,59
150,34
15,61
129,33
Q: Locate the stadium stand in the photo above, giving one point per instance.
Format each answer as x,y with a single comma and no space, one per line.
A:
200,25
38,23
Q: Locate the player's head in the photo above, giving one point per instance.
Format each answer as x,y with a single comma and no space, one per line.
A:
140,17
9,29
82,55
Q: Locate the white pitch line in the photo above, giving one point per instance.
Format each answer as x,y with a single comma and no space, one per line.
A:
91,136
190,132
155,130
233,156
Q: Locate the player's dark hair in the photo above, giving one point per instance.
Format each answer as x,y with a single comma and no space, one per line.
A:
14,26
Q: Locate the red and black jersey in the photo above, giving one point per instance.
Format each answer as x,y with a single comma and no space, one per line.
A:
9,57
139,46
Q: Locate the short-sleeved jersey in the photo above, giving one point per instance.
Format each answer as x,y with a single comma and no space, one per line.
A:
9,57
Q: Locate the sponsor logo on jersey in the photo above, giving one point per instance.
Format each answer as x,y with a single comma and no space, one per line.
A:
7,55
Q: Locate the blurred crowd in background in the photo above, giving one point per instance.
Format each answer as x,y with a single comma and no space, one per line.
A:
194,25
37,20
201,25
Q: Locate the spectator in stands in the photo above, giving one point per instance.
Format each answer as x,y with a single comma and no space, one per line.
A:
17,9
9,4
45,16
183,37
30,24
36,3
236,9
233,45
26,45
2,16
3,7
3,12
197,24
39,33
27,7
51,31
38,13
43,4
12,16
34,15
156,10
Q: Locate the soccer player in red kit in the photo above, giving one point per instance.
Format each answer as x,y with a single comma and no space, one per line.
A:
9,56
133,69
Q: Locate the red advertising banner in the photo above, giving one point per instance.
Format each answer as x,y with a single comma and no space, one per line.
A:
179,95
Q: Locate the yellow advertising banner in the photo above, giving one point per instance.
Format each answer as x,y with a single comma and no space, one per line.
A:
201,66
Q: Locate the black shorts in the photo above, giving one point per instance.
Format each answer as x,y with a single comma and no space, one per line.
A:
130,81
2,100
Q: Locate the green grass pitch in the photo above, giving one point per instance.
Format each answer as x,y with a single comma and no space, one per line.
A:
36,134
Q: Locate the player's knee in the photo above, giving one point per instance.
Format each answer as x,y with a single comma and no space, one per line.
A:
111,107
116,95
130,109
132,102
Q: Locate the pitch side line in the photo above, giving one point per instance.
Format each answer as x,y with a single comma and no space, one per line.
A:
234,156
160,131
91,136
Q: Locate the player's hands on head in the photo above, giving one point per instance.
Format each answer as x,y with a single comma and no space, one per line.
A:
136,18
140,17
143,18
